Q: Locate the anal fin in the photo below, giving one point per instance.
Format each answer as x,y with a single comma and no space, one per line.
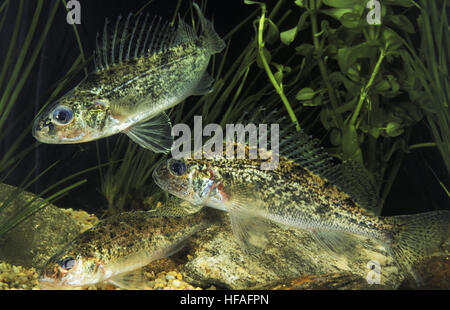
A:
154,134
336,243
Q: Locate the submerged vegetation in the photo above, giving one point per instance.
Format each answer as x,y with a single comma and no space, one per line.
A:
15,72
359,88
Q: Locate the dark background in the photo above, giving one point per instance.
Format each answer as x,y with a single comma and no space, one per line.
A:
415,189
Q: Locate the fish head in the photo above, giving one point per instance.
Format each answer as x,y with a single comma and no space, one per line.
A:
77,117
193,180
67,270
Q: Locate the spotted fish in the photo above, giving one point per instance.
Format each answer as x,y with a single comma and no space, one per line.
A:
115,249
307,190
142,69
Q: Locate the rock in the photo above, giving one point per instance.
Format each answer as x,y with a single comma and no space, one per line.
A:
33,241
334,281
218,260
434,273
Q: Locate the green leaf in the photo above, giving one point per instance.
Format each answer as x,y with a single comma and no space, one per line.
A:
327,118
345,59
254,2
351,144
404,3
280,72
382,86
315,102
299,3
336,136
391,40
305,49
305,94
401,22
272,33
350,20
375,132
342,3
337,13
394,129
288,36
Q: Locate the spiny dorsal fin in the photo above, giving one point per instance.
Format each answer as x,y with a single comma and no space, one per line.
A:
350,177
132,38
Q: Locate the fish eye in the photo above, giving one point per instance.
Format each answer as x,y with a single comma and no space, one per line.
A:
67,263
62,115
177,167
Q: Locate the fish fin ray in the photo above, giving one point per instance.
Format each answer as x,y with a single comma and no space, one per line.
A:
417,236
350,177
134,280
204,85
249,227
215,43
251,232
126,40
154,134
337,243
176,207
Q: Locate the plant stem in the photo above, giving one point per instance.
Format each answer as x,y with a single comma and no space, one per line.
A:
322,67
278,88
365,89
392,175
427,144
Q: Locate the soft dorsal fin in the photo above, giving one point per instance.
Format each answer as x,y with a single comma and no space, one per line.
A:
350,177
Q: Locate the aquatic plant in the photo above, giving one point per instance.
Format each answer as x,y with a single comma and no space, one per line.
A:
14,73
362,72
359,86
430,65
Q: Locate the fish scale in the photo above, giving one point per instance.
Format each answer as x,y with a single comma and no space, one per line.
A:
306,192
135,81
116,248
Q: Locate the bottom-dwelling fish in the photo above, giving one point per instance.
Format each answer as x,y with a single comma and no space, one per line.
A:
306,191
116,248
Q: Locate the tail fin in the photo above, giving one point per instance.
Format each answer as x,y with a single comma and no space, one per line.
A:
216,44
417,236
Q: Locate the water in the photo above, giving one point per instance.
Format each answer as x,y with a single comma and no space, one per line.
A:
410,181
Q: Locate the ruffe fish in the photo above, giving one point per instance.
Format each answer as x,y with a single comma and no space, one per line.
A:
116,248
142,69
307,191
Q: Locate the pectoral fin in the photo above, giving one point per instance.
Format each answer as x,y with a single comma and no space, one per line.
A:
176,207
247,221
154,134
134,280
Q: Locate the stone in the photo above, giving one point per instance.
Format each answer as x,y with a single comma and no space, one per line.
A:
33,241
218,260
335,281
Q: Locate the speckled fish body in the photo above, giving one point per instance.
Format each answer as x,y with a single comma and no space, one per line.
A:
117,246
141,71
290,194
307,193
